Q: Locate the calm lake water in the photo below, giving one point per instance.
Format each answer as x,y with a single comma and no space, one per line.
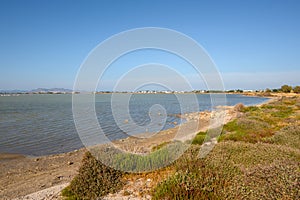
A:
43,124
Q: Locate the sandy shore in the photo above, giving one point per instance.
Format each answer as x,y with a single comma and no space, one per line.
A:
22,175
44,177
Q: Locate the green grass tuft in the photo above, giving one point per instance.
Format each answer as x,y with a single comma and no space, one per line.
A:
199,138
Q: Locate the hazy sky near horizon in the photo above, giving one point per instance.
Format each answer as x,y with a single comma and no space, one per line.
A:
254,44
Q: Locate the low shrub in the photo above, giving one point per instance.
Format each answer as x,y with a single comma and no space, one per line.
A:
186,186
93,180
283,112
234,170
195,179
250,109
262,122
239,107
199,138
259,164
288,136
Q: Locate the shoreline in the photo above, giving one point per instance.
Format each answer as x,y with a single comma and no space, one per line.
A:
8,155
51,149
27,175
23,175
204,115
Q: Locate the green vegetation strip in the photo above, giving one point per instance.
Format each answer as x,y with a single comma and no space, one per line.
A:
258,157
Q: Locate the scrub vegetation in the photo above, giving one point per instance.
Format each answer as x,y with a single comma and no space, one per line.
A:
257,157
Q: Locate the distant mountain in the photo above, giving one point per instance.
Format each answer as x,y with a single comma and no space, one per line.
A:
53,90
38,90
12,91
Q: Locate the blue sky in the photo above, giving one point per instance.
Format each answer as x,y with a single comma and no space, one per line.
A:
255,44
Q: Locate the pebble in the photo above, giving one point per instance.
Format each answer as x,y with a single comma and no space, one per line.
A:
70,163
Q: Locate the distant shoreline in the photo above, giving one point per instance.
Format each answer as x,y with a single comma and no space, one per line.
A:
251,94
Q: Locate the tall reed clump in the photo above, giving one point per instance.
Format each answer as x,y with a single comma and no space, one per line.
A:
165,154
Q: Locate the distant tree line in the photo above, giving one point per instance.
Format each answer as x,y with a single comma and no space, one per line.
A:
285,89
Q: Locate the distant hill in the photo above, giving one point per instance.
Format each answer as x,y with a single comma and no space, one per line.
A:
53,90
39,90
12,91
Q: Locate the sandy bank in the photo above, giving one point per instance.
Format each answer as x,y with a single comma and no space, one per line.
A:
22,175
